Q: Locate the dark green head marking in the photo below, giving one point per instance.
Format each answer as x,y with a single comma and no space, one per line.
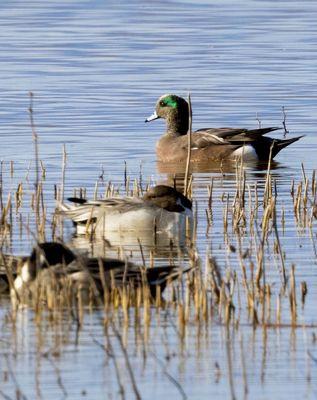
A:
169,101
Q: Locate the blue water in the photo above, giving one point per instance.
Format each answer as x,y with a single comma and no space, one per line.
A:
96,69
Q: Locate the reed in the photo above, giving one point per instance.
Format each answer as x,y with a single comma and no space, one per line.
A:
233,291
189,146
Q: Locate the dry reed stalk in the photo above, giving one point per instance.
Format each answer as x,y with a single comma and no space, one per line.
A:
209,215
313,183
268,303
181,319
158,298
244,369
11,169
229,363
225,216
142,254
64,162
251,211
304,290
279,243
6,212
278,309
256,201
258,120
111,353
222,300
215,278
284,122
18,197
9,274
268,186
292,296
297,202
303,173
1,185
125,304
36,153
169,376
189,146
43,169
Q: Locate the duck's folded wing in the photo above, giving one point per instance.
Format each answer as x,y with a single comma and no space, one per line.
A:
220,136
78,214
90,210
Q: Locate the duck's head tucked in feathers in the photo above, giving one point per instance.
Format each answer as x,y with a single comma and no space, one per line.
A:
43,256
59,272
168,198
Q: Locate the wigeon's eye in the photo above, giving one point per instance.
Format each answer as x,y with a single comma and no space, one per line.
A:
162,104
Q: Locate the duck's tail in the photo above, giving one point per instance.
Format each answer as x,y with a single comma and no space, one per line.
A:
280,144
78,214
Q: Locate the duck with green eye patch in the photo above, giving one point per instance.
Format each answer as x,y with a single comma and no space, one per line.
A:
210,143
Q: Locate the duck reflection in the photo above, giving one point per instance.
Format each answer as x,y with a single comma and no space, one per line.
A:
156,223
216,167
161,245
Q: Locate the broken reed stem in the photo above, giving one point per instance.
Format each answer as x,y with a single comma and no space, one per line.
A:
169,376
36,151
258,119
35,140
229,363
189,145
63,173
284,121
127,361
110,352
278,241
292,296
267,189
1,185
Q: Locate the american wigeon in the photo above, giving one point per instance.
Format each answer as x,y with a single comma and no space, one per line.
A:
209,143
52,267
162,208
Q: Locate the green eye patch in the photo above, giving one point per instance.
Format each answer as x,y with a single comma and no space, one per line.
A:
169,101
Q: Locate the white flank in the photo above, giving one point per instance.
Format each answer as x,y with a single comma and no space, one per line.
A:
247,152
144,219
23,277
18,283
25,272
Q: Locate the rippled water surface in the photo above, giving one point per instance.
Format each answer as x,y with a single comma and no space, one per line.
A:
96,69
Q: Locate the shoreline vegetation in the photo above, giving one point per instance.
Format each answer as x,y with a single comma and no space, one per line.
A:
257,287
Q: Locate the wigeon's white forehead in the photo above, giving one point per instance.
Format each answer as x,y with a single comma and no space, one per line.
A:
165,95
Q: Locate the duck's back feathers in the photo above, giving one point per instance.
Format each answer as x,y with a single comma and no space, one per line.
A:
94,209
231,135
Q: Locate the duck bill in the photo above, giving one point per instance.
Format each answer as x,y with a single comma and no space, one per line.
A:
152,117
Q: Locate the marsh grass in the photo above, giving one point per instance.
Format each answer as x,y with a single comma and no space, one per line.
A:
257,284
252,211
